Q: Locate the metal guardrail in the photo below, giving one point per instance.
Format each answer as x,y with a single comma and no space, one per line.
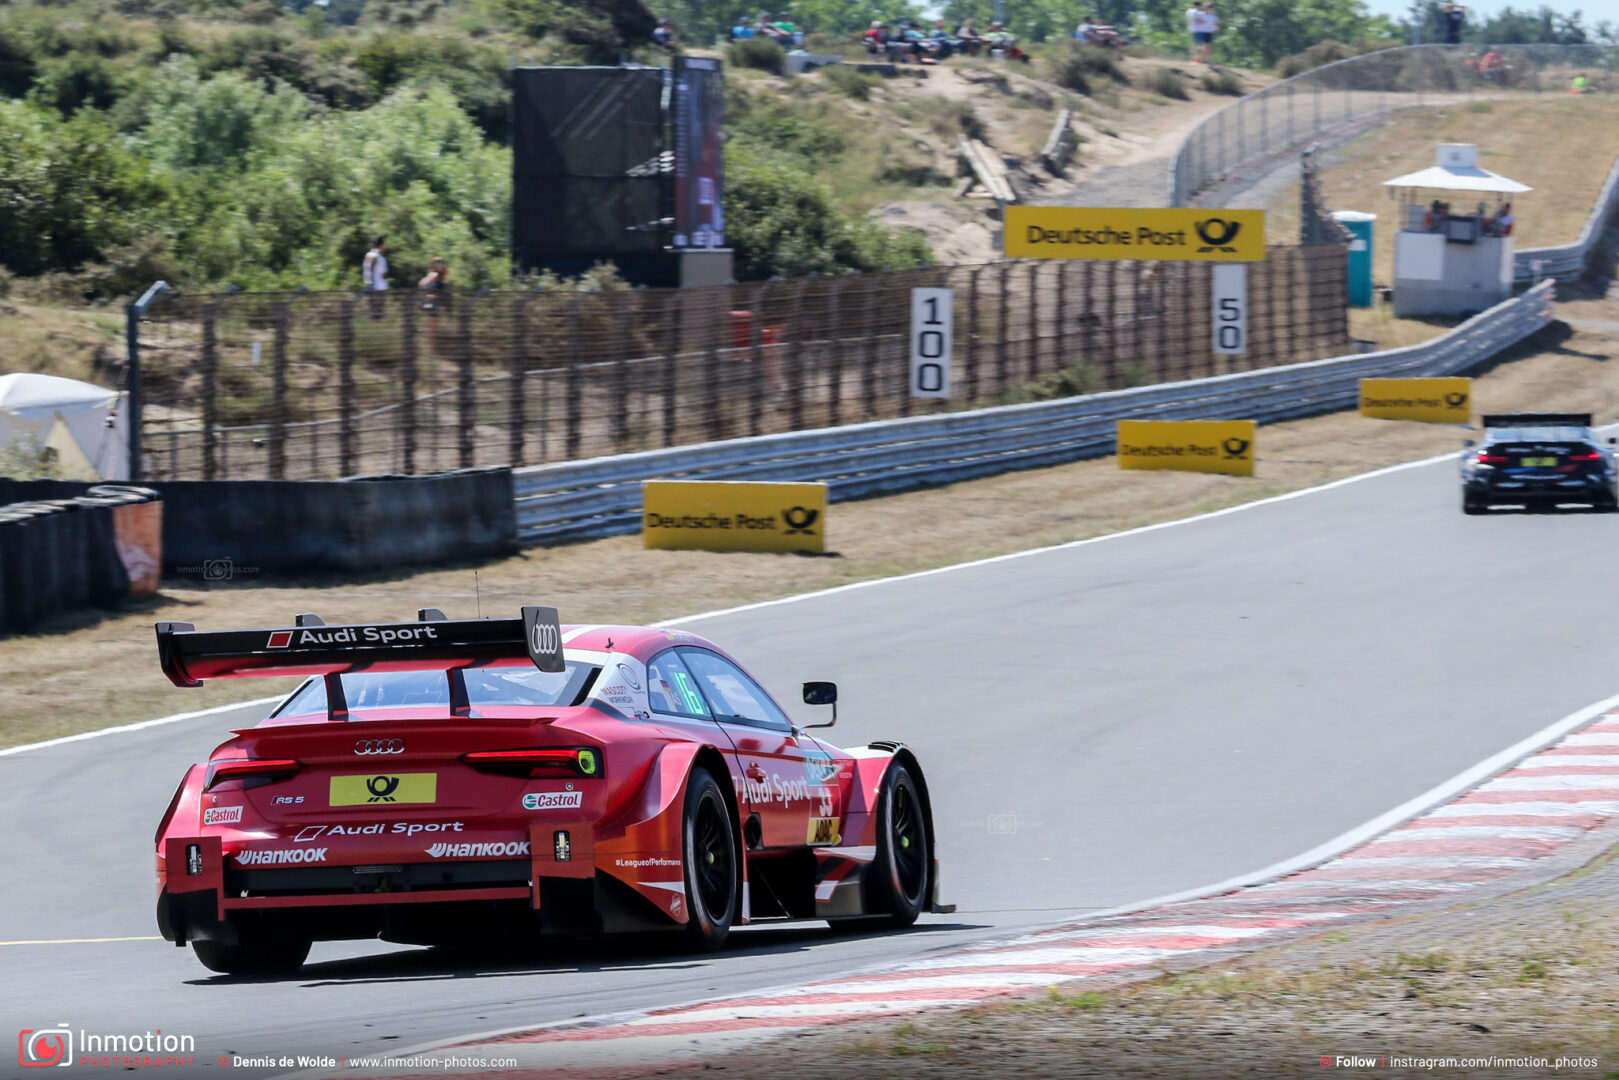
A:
602,496
1570,260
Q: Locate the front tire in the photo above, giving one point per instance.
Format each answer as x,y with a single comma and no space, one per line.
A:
712,880
900,872
257,951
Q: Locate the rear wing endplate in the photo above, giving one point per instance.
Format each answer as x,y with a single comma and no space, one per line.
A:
1538,419
190,656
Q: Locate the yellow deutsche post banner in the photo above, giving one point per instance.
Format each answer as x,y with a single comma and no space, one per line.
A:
1090,232
721,515
384,789
1220,446
1438,401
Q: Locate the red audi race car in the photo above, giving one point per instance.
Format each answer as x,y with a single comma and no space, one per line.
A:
464,781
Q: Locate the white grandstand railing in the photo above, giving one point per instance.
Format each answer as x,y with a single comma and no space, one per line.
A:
602,496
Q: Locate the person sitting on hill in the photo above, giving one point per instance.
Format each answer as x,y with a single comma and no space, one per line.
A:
968,39
740,32
876,38
1581,85
944,45
1093,33
1003,41
663,34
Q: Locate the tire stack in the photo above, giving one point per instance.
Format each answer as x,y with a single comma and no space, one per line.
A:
63,554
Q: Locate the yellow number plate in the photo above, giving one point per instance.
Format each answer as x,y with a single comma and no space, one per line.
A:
1538,462
823,830
384,789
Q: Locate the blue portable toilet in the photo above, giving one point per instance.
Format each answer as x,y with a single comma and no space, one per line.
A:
1359,225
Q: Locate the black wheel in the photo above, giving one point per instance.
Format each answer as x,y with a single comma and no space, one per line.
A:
712,880
898,887
1471,504
258,951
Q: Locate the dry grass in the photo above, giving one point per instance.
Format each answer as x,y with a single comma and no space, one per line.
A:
1561,146
1528,140
88,671
74,342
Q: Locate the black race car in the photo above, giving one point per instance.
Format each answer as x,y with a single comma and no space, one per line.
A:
1539,460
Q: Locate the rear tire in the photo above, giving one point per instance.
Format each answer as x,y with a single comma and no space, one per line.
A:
901,871
256,952
712,880
1473,505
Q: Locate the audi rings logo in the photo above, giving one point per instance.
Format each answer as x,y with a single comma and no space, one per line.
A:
543,638
379,746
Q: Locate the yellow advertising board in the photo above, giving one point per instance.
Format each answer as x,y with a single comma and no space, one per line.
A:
1218,446
1437,401
1092,232
721,515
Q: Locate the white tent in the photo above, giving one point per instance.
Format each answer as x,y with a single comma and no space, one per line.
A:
82,422
1458,170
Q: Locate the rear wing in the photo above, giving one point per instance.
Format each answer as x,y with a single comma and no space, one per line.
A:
310,647
1538,419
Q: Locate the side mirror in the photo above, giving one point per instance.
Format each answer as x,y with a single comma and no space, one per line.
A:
822,693
1469,442
1613,442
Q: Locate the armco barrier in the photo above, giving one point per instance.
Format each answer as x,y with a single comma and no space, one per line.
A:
602,496
59,554
220,529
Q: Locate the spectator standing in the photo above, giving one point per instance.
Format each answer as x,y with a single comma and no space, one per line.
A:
374,268
1211,26
1194,26
1503,221
1454,15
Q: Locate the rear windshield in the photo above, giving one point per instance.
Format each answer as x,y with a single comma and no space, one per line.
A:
1540,434
520,686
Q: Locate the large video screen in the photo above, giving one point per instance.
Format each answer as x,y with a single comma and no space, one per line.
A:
699,103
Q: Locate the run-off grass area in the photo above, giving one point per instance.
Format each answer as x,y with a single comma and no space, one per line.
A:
93,670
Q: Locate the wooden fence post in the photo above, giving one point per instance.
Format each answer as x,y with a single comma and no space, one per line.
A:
345,387
676,314
407,383
571,388
466,399
517,399
210,388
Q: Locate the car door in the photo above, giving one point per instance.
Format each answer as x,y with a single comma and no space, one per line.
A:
776,782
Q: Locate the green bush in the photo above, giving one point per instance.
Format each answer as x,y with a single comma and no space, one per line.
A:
845,80
757,52
1165,82
1222,82
1076,64
782,222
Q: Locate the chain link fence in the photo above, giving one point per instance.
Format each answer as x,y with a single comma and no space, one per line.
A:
321,385
1338,98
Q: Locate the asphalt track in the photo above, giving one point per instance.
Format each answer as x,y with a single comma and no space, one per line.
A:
1101,724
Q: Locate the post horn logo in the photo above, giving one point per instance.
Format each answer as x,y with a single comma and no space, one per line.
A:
799,520
1456,400
1235,448
1218,234
382,788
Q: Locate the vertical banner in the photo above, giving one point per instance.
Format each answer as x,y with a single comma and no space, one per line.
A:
699,103
932,341
1230,309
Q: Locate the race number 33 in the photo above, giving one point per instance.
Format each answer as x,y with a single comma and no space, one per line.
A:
932,338
1230,313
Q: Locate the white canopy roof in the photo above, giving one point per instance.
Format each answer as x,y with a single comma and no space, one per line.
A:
1457,179
75,418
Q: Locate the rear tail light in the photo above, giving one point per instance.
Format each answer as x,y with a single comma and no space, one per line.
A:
531,763
260,769
1592,456
1487,458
